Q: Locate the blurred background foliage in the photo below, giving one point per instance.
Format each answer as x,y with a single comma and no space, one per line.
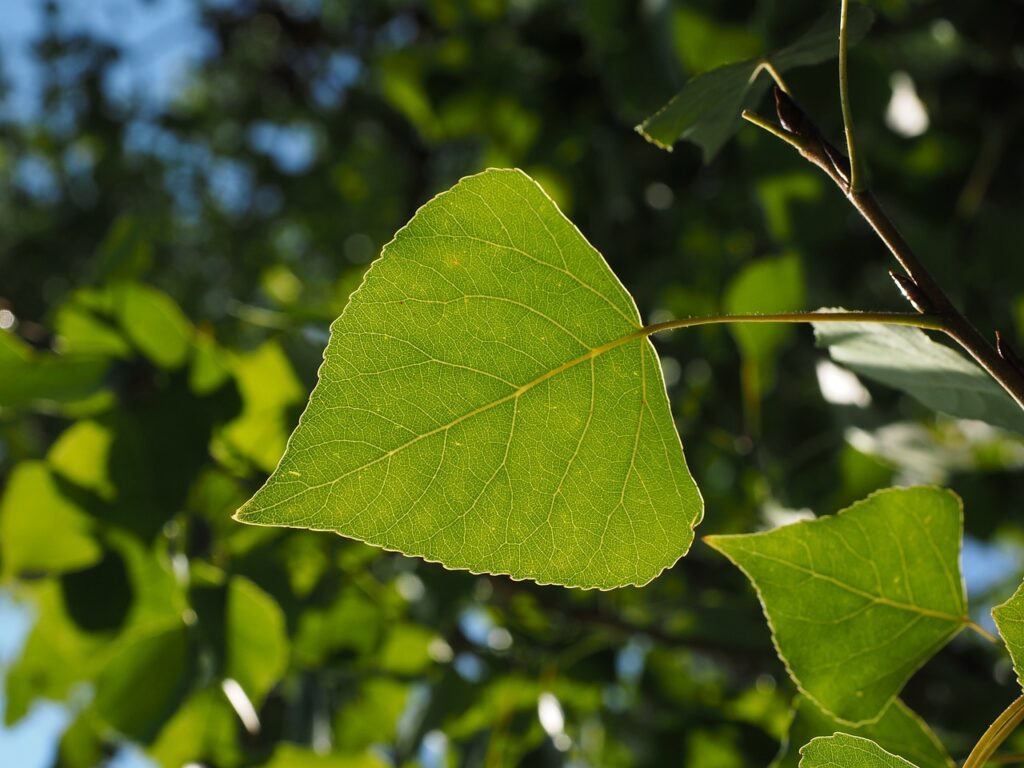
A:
171,258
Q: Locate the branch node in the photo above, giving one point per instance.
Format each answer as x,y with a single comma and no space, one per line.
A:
911,292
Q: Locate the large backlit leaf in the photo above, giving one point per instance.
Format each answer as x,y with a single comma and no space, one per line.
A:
707,110
898,730
936,375
845,751
858,601
487,401
1009,618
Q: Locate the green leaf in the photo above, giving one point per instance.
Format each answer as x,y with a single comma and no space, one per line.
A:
899,730
27,376
289,756
488,401
257,640
57,654
41,530
1009,617
936,375
81,455
747,294
142,681
203,729
269,389
707,110
373,714
81,331
154,323
858,601
845,751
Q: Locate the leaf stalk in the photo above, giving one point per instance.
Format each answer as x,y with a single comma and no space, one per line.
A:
927,322
856,177
996,734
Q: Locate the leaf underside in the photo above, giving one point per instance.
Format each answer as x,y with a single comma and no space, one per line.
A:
487,401
707,110
859,601
907,359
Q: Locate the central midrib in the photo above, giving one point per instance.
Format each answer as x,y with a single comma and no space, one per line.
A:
878,599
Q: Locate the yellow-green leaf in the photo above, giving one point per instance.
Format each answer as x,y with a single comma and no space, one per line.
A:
857,602
1009,617
487,400
899,730
845,751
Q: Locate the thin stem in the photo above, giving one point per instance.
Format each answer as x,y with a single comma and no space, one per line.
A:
953,322
766,66
844,98
974,626
888,318
772,128
996,734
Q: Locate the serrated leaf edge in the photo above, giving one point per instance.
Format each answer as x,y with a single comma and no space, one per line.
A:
240,513
709,540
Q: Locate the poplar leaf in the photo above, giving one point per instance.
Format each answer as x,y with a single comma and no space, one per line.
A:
707,110
857,602
936,375
899,730
489,401
1009,618
845,751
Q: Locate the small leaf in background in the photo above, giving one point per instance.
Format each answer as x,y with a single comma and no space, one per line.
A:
906,359
763,286
845,751
899,730
703,43
28,376
707,110
154,323
41,530
373,714
858,601
81,331
142,680
81,454
269,389
56,654
210,367
203,729
406,650
485,401
256,638
290,756
1009,618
